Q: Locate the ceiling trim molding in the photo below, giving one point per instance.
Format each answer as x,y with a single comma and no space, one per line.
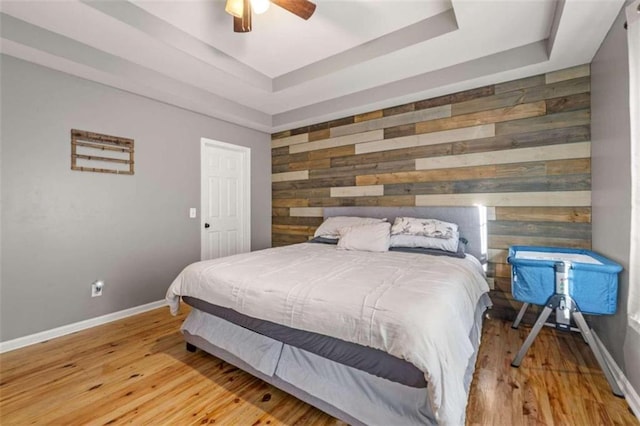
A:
375,56
412,88
32,43
419,32
557,17
143,21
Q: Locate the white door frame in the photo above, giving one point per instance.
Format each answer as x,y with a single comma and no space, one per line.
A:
246,189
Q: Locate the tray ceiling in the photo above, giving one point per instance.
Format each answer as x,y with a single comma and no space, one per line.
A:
350,57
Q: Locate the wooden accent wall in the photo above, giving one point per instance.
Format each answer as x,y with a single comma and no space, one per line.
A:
522,148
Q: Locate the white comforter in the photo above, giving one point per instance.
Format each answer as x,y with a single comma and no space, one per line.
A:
414,306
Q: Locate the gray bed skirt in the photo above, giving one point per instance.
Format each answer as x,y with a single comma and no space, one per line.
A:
347,393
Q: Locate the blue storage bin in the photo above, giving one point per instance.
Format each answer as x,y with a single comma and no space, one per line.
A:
594,287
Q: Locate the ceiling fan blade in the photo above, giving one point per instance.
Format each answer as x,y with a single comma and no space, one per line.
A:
243,25
302,8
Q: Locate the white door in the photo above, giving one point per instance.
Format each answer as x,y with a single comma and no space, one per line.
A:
226,212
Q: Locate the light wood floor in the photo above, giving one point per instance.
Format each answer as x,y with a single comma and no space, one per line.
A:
137,371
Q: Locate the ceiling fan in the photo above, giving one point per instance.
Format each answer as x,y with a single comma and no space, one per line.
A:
241,10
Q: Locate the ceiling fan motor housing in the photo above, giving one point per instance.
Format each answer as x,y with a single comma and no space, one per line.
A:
242,24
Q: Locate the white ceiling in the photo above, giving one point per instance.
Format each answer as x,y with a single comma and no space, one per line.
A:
350,57
277,31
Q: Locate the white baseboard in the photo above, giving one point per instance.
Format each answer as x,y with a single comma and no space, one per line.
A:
630,394
21,342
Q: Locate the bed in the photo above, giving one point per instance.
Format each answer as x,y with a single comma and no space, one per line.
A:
370,338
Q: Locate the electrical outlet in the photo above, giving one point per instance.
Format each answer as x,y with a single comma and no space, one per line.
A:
96,288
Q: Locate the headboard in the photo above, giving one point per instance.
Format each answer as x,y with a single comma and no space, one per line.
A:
472,220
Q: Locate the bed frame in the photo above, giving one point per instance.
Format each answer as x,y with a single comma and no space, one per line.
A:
472,226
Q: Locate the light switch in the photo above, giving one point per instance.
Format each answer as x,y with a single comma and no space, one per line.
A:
192,212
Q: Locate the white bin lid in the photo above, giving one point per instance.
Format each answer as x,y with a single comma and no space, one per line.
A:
557,257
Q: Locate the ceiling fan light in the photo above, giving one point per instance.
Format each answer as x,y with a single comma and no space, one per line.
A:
234,7
260,6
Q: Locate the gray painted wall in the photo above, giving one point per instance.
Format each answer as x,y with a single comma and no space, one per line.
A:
63,229
611,180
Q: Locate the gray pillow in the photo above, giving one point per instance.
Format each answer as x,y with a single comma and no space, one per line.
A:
323,240
435,252
449,244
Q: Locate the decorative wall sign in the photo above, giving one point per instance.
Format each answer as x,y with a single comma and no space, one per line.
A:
115,156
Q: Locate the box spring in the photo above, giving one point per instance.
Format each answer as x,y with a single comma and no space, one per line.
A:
370,360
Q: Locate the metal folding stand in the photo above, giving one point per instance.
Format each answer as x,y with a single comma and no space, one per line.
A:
566,309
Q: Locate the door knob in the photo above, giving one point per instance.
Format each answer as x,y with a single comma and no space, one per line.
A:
206,225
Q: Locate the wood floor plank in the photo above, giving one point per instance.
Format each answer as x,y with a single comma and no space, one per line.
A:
137,371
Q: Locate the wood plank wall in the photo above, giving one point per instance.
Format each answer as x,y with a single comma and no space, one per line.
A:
522,148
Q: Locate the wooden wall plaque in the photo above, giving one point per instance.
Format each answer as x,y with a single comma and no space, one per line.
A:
115,156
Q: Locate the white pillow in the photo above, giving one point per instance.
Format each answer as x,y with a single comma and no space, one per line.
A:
432,228
450,244
330,228
372,237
